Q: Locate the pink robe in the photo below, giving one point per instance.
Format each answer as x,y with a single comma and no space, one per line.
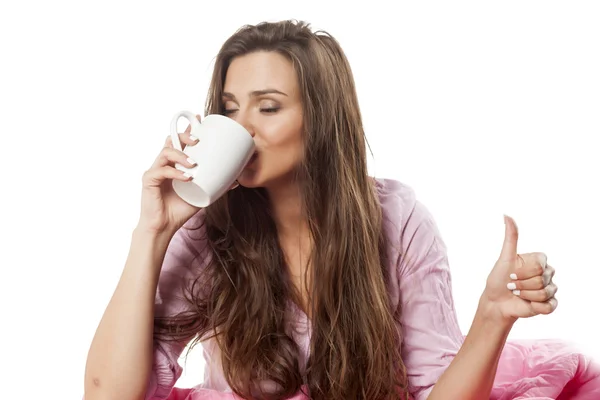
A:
420,284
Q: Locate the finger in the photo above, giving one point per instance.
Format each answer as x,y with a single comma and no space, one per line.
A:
156,176
169,155
511,236
548,274
189,127
532,264
545,307
186,137
540,295
535,283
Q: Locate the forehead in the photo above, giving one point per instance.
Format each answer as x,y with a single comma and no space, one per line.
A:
258,71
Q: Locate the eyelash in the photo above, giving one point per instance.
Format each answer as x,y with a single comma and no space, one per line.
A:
270,110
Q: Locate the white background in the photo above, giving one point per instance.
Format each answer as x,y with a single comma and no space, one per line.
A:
483,108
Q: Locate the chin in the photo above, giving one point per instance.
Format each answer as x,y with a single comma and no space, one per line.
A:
259,175
250,178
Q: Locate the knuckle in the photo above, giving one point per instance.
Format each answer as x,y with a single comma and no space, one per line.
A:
167,152
542,258
547,278
539,282
541,295
184,139
543,307
539,269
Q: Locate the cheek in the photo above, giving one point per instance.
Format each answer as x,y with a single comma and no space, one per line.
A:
282,152
284,140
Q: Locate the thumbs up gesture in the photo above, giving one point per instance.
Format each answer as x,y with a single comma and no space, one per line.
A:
520,285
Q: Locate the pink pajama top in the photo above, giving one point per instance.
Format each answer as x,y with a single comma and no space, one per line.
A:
420,285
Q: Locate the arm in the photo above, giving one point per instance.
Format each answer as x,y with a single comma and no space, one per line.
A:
434,350
472,372
120,356
124,361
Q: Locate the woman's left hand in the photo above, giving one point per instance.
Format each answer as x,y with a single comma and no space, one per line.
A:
519,285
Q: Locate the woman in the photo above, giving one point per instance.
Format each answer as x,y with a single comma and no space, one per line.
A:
310,278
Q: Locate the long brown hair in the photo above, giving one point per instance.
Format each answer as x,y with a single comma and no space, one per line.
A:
245,295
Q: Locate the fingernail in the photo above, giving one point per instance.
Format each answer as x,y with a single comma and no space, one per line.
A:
511,286
513,276
187,174
189,160
516,292
194,138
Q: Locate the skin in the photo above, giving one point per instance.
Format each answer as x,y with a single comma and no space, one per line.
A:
261,93
273,118
120,357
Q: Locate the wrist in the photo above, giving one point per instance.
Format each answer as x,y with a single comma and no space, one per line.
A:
151,233
490,314
152,238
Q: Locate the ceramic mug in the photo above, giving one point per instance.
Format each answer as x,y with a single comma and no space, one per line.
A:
221,153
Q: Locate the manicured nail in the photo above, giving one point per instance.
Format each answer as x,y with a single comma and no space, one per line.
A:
194,138
516,292
189,160
187,174
513,276
511,286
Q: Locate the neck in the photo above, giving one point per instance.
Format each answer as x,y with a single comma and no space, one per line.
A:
286,205
294,238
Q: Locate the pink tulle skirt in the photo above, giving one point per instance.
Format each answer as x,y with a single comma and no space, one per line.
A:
541,369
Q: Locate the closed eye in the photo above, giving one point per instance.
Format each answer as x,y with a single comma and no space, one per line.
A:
270,110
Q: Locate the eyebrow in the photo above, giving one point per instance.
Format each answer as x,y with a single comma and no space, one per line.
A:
256,93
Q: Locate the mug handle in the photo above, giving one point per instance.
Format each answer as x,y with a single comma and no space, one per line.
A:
191,117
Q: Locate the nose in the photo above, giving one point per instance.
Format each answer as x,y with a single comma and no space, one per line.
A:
245,120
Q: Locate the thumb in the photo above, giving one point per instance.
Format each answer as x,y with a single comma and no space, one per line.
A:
511,235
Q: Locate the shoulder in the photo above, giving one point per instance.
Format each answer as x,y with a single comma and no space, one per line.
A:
398,202
410,228
403,213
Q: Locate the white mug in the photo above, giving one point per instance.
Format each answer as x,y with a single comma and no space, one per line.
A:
223,150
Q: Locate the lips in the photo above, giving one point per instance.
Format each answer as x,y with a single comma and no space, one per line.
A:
254,156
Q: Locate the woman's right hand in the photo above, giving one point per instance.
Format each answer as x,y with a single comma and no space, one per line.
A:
162,210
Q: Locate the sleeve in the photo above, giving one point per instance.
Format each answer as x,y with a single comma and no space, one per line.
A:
186,255
431,334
